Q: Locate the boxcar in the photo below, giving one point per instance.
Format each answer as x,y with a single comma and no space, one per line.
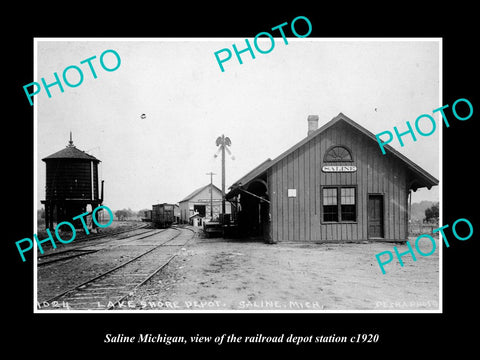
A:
147,216
163,215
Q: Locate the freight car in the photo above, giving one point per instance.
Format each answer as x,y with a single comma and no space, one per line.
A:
163,215
147,216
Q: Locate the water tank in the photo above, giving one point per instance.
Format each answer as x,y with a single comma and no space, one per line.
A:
71,182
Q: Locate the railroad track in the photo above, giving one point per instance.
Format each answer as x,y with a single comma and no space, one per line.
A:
62,256
112,233
78,250
111,287
81,238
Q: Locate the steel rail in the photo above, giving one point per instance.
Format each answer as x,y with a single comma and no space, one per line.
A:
78,248
154,272
79,286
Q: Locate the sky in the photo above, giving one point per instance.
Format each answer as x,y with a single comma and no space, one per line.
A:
262,105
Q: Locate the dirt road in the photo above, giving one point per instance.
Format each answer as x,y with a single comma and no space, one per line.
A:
217,274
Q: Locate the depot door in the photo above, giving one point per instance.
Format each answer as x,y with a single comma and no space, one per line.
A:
375,216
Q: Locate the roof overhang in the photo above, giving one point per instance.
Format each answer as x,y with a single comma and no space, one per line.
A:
421,177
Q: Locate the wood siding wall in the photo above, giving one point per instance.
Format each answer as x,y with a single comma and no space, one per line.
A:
300,218
71,180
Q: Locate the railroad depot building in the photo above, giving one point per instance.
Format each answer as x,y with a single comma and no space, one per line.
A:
334,185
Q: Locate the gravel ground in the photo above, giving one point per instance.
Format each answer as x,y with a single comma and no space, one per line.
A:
217,274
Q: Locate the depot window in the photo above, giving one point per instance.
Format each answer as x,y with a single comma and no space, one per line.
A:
339,204
338,154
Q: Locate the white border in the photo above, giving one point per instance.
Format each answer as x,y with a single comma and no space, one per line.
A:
220,311
35,174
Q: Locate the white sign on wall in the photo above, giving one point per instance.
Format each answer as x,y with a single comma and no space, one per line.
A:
339,168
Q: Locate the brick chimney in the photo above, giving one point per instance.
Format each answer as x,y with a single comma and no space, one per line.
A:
312,123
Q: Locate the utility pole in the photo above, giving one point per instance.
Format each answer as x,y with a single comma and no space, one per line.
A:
211,194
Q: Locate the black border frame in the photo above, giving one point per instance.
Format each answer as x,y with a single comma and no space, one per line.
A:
399,332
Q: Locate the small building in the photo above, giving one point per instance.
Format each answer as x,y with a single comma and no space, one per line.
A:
196,220
334,185
199,202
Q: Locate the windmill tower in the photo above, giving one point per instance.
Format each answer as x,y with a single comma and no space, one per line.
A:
223,142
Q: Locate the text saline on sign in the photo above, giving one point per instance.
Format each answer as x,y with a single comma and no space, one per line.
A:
339,168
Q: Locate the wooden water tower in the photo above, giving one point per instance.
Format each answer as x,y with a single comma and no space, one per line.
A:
71,185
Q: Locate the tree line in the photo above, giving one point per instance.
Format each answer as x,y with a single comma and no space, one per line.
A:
122,214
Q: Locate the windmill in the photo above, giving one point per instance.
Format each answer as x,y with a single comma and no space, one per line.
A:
223,142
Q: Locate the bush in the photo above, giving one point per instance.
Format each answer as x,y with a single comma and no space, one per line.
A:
432,214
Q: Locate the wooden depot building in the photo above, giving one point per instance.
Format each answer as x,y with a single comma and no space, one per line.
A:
334,185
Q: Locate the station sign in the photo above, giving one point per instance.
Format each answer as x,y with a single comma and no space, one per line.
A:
339,168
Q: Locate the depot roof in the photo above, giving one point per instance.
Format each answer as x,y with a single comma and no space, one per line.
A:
425,179
197,191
